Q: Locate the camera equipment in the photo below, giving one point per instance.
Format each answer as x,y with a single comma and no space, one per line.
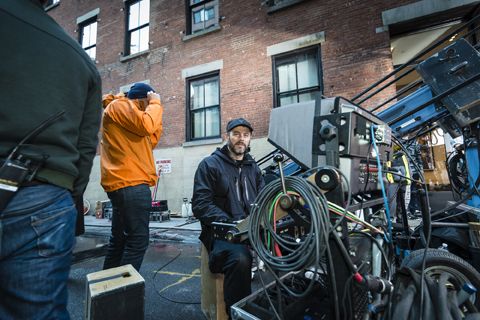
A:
19,167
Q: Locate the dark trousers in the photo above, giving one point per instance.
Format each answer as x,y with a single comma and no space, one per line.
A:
130,234
235,262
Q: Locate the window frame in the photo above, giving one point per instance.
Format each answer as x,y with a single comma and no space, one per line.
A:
281,59
277,5
191,30
81,27
51,4
189,132
128,33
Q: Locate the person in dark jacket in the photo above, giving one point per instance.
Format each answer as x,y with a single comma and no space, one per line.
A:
225,186
43,72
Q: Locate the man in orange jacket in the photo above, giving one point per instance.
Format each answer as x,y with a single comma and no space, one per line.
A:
131,128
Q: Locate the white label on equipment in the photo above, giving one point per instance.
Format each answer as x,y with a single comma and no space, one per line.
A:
8,187
409,122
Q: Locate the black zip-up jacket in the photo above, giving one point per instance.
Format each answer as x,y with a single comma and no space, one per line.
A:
224,190
43,71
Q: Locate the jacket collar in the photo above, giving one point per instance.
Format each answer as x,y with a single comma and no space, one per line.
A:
223,153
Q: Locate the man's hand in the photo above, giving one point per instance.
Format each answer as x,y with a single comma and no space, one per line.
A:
152,95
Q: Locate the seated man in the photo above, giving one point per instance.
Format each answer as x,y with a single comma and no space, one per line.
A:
225,186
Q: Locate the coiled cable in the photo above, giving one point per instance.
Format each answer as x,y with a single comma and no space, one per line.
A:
296,254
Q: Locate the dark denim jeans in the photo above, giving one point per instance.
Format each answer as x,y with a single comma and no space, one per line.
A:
130,234
36,242
235,261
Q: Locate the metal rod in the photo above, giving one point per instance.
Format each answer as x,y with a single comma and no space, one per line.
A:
418,55
400,92
438,97
386,85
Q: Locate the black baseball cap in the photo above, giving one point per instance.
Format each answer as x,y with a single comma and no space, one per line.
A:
238,122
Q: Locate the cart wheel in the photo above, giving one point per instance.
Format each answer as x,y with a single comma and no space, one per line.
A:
441,261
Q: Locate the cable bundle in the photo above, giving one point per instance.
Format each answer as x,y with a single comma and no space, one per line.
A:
294,255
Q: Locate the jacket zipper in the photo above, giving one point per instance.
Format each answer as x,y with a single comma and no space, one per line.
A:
237,186
246,189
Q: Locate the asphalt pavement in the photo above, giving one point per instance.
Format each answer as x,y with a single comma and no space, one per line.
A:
171,268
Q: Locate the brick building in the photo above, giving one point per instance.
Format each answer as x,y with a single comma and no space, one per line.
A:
215,60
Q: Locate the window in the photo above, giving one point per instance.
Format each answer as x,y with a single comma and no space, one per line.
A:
88,37
297,76
138,13
202,15
203,103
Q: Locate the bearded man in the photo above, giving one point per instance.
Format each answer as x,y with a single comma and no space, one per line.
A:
225,186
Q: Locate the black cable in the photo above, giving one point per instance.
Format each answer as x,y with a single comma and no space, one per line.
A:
268,297
158,292
401,175
428,223
306,253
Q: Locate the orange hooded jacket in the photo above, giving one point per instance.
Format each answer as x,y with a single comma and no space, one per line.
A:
128,137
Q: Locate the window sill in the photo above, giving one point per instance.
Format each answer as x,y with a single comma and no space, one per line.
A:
202,142
133,56
285,4
201,33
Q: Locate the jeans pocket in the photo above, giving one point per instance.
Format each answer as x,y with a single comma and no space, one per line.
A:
55,230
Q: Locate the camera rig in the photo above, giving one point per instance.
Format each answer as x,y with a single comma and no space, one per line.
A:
329,234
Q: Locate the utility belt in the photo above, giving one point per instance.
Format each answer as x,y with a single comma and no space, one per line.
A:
17,172
18,169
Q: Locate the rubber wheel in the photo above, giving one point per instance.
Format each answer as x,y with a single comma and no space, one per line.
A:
441,261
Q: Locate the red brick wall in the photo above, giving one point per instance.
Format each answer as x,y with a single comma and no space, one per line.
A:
353,55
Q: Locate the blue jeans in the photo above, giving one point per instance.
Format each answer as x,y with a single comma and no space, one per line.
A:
129,240
36,242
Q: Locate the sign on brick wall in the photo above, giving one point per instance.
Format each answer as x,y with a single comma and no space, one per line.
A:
163,166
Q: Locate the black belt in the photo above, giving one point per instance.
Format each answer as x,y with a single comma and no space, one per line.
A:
32,183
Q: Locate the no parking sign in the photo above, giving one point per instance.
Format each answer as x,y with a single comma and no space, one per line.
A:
164,166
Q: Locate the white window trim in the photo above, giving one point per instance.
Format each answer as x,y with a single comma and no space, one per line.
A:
295,44
200,69
88,15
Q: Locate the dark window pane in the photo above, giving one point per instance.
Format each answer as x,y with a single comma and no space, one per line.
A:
307,96
307,71
288,100
139,14
89,35
211,93
92,52
196,95
287,77
144,16
198,124
133,17
209,13
198,16
212,122
139,40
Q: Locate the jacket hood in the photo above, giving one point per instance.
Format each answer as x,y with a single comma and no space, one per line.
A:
107,98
